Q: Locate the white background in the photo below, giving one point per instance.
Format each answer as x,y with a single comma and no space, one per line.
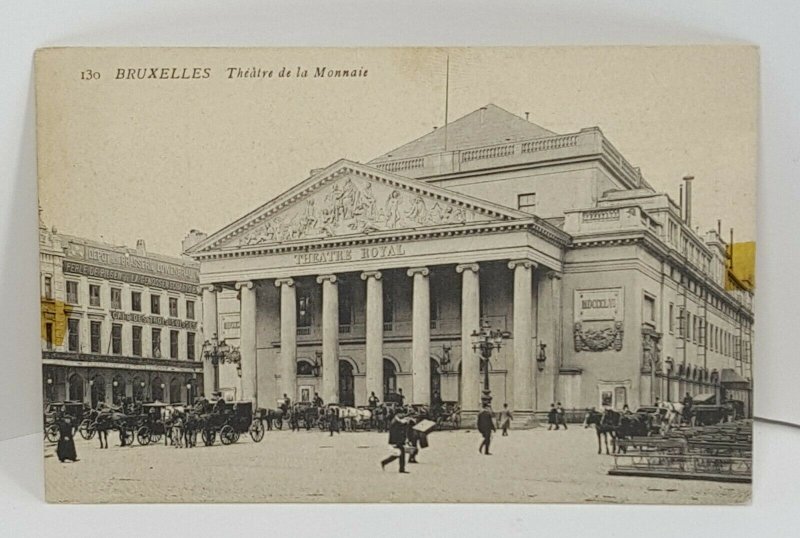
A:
25,26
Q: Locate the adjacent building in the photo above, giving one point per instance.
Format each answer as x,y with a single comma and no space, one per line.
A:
381,276
117,322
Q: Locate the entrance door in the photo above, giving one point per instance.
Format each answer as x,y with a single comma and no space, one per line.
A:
389,379
346,384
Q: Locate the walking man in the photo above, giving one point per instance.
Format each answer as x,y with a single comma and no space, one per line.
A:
505,419
486,427
333,420
397,439
561,418
552,418
373,400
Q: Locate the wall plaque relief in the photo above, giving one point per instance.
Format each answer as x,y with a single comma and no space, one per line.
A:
599,319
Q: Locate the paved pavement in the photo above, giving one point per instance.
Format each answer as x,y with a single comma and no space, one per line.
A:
527,466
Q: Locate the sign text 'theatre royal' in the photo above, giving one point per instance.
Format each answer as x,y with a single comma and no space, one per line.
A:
350,254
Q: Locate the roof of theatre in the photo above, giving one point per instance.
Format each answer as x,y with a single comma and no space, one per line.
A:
487,125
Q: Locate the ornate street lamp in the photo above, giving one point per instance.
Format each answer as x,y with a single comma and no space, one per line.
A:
485,341
220,352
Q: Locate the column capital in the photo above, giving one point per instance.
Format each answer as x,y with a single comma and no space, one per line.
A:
244,284
474,267
554,275
371,274
331,278
527,264
424,271
209,287
284,282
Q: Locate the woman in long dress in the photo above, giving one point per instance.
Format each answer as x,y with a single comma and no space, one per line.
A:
66,442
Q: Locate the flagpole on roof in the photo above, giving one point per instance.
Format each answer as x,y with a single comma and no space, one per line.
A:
446,99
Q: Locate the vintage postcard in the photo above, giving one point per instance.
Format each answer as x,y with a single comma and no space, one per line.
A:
511,274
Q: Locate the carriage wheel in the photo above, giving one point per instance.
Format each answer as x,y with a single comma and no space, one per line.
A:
51,432
143,436
279,423
226,435
85,429
208,437
236,436
257,430
155,437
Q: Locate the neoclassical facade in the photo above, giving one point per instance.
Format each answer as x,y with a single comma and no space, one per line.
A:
373,278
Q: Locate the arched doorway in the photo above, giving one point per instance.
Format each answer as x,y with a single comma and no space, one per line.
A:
389,379
157,389
346,383
436,379
138,389
98,390
76,388
175,391
118,390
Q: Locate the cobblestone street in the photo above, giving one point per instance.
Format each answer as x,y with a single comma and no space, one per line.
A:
527,466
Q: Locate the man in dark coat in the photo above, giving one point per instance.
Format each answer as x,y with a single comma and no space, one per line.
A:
552,417
333,420
486,427
66,442
397,439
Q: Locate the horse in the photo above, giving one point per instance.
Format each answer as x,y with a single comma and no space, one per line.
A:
102,423
630,426
605,424
274,416
191,425
672,415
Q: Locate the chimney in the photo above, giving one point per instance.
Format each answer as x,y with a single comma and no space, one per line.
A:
191,239
719,228
527,116
687,179
140,248
483,115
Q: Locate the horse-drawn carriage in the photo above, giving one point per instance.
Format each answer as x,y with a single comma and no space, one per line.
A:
56,410
236,418
153,423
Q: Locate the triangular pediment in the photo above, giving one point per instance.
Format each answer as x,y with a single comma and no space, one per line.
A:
349,199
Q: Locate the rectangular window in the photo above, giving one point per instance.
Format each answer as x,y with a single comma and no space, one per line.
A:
116,299
649,310
136,339
72,292
173,307
526,202
304,308
48,336
189,309
681,322
116,339
688,326
671,318
190,346
94,295
94,332
173,344
136,301
156,348
48,287
155,304
74,334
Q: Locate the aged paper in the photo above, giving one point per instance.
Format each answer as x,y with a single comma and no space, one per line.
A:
283,275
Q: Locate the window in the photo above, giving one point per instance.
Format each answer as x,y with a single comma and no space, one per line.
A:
173,344
74,337
136,301
671,318
94,295
527,202
173,307
136,339
681,322
304,308
94,332
304,367
155,304
156,348
72,292
189,309
190,346
649,312
116,298
688,326
116,339
48,287
48,336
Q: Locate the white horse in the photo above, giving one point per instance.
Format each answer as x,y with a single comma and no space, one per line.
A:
671,415
354,417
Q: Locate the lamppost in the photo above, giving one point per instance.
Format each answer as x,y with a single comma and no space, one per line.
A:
49,388
220,352
485,341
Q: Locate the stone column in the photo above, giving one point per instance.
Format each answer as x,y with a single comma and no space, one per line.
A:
247,341
209,331
374,331
330,337
470,321
421,337
522,359
288,364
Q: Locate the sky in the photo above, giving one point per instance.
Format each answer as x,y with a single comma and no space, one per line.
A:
123,159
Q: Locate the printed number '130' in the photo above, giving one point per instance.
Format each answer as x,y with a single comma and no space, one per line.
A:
90,75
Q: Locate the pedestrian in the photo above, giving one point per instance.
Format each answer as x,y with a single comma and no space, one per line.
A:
552,417
505,419
373,400
561,416
486,427
412,437
397,439
317,400
65,450
688,401
333,420
401,397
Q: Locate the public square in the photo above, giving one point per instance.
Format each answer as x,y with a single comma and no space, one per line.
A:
528,466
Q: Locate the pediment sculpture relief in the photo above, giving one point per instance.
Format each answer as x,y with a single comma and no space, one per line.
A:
351,206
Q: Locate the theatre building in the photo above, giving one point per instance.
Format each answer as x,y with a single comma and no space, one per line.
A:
374,277
117,322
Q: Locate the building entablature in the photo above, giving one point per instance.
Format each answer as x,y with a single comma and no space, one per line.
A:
94,360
